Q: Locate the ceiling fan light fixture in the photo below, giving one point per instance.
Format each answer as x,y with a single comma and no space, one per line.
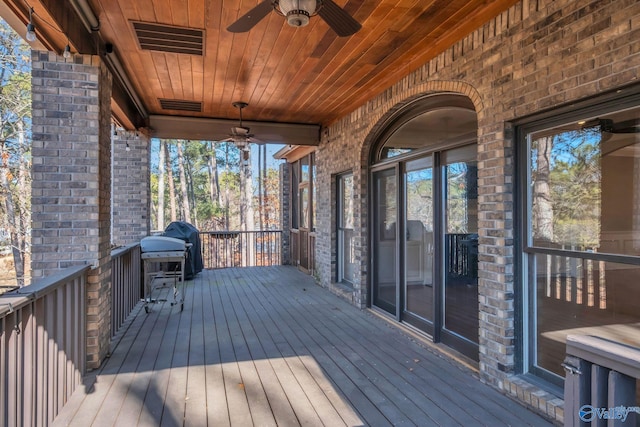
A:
297,12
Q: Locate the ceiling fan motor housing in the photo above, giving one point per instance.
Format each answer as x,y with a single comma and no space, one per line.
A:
297,18
297,11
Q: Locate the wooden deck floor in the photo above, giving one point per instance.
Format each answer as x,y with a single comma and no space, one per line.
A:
266,346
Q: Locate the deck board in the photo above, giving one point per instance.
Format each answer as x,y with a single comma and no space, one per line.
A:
266,346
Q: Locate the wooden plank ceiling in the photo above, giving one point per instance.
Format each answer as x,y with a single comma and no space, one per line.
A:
288,75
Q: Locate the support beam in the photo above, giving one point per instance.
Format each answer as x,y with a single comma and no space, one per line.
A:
219,129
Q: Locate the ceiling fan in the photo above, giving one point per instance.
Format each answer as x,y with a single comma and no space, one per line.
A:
241,135
298,13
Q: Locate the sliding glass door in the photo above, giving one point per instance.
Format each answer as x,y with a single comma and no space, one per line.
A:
460,225
418,243
424,210
385,247
425,245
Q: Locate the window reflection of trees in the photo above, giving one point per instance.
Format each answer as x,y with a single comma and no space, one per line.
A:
457,198
347,202
420,197
566,175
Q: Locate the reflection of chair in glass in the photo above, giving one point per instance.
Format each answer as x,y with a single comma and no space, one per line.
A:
419,253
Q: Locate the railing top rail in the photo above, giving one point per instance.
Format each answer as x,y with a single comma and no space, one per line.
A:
610,354
239,231
118,252
14,300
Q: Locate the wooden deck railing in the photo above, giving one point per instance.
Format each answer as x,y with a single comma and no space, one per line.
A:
126,283
222,249
42,347
578,280
601,384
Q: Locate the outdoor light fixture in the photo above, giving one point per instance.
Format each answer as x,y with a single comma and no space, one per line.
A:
31,29
67,51
297,12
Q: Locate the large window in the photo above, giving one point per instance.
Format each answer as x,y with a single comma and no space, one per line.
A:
346,232
303,211
581,240
303,174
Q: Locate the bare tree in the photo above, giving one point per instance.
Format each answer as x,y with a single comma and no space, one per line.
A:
264,186
186,210
170,180
246,205
214,182
13,220
227,196
15,114
161,178
260,183
542,203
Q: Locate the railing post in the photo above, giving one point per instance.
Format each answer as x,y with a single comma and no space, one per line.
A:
600,384
577,389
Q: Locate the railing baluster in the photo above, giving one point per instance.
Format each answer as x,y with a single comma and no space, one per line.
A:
3,362
13,380
221,249
599,387
125,284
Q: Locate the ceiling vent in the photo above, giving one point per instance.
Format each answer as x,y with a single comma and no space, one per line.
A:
166,38
177,104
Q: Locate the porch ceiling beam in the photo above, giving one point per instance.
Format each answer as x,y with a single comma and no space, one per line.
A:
124,110
174,127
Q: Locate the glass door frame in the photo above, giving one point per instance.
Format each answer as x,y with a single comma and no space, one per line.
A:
375,231
431,327
447,336
435,329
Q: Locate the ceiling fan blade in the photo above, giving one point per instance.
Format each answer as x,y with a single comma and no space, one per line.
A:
251,18
339,20
255,140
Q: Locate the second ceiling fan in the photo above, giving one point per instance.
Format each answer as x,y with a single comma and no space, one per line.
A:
240,135
298,13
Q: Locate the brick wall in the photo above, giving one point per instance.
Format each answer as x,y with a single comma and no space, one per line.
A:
537,55
131,194
71,179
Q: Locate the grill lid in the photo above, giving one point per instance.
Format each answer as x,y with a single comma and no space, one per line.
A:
161,244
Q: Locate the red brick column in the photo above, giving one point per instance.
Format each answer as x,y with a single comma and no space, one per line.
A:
71,186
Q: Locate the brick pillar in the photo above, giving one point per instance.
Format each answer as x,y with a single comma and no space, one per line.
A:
71,181
131,199
285,200
496,288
